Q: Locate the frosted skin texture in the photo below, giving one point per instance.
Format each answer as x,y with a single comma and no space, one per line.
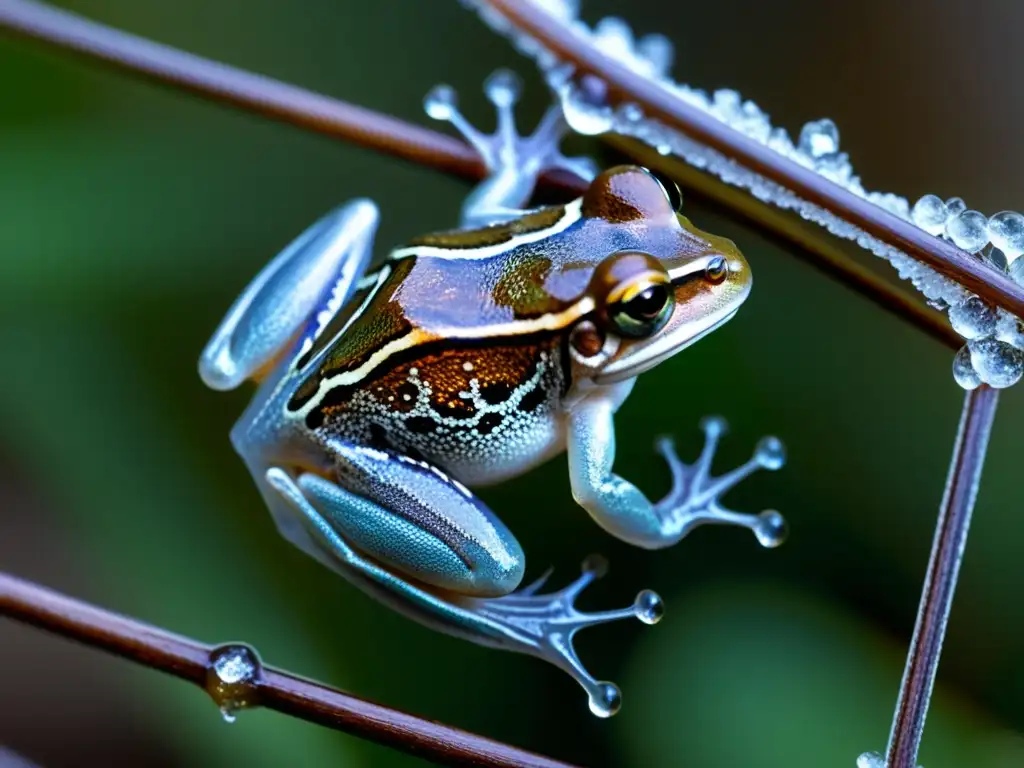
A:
995,360
386,394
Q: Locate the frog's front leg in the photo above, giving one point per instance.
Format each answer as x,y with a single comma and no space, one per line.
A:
306,283
513,162
624,511
406,533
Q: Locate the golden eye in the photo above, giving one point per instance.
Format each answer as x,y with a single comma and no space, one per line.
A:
716,270
643,310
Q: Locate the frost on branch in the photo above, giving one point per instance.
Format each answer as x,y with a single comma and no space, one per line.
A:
994,352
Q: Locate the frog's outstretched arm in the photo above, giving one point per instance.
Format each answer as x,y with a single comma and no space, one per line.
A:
623,510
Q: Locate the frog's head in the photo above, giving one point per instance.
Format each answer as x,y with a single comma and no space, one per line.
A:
670,285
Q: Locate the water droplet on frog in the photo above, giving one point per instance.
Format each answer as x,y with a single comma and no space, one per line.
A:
998,364
871,760
955,206
819,138
585,112
233,678
968,231
973,318
963,370
1007,232
771,529
440,102
596,565
770,453
930,214
649,607
503,87
605,699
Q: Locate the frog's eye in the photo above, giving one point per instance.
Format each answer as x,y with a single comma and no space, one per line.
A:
716,270
643,309
670,188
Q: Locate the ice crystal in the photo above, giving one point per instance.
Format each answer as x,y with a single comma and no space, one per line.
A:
817,148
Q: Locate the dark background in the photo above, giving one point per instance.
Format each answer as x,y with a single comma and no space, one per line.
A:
130,217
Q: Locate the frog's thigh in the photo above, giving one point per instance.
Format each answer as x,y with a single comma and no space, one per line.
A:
416,521
317,272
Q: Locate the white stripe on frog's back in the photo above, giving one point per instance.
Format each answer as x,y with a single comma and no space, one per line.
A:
570,216
374,281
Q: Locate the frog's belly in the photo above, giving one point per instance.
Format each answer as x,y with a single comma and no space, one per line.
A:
518,443
493,439
497,444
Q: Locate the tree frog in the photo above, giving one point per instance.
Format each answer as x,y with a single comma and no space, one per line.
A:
388,390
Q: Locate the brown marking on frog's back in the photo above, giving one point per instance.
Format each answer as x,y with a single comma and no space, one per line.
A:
535,221
452,375
626,193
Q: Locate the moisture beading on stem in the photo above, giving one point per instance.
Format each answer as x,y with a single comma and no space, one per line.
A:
609,82
236,679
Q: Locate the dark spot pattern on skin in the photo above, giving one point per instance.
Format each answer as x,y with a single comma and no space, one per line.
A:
421,425
488,423
496,393
379,438
315,419
461,408
405,397
532,400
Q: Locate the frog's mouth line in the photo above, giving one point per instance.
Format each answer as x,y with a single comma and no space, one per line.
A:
656,352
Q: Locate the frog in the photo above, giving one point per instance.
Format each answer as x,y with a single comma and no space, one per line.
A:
389,390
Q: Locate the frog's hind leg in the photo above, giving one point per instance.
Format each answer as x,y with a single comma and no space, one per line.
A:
304,284
420,542
513,162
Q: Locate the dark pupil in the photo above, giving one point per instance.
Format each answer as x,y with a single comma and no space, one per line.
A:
647,305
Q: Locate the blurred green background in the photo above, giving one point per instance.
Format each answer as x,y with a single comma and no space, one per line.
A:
130,217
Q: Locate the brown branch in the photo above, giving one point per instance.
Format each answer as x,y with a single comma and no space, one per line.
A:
657,102
274,689
237,88
954,520
337,119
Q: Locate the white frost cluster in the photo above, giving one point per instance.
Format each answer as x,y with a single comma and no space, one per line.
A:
994,352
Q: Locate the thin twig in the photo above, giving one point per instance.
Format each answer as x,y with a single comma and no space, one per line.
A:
798,238
625,85
940,579
190,660
236,87
312,111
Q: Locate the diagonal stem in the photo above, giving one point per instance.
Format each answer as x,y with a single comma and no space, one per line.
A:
658,102
316,112
940,579
282,691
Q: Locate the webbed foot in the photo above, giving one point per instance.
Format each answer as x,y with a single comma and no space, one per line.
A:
544,625
513,162
695,496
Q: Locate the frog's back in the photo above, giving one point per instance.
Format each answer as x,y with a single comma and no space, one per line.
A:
450,351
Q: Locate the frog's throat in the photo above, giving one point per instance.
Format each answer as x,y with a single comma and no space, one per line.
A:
657,351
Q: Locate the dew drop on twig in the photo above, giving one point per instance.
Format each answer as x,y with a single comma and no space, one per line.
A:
233,678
